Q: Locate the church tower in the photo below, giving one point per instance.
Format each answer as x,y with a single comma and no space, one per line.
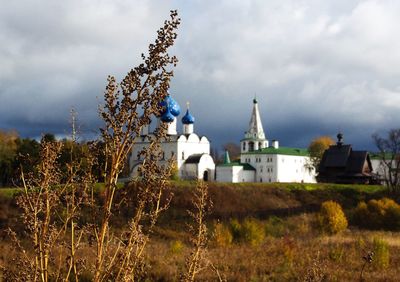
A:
169,114
187,122
254,138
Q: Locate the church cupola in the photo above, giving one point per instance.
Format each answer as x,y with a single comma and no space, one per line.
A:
188,122
254,138
171,110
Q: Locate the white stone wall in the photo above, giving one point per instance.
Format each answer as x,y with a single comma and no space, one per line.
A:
206,164
279,168
294,169
180,149
234,174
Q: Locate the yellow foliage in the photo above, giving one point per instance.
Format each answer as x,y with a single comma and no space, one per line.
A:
332,218
378,214
176,247
381,253
222,235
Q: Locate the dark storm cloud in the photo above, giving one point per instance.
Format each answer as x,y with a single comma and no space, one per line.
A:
316,66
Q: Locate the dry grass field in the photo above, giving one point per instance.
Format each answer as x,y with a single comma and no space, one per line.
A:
256,232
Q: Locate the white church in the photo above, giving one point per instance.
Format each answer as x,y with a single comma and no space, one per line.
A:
190,152
261,161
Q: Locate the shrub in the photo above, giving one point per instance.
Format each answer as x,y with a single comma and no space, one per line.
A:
222,234
275,227
176,247
378,214
252,231
382,255
332,218
235,227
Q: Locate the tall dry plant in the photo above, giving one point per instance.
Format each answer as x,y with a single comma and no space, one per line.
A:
53,212
128,107
49,208
198,259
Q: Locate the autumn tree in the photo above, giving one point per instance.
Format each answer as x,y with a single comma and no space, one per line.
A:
316,150
8,151
389,153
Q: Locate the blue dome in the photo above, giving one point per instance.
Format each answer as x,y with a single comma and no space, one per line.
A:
171,106
167,116
188,118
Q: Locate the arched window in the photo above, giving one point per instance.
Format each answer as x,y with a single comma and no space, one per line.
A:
251,146
244,146
183,155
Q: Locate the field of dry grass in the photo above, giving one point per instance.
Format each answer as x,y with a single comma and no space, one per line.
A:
285,243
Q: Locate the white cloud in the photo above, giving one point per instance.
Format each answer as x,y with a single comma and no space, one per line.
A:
331,62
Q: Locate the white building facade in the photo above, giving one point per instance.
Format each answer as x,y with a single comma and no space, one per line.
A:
262,162
190,152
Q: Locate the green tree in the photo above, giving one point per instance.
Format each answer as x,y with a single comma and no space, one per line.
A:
8,152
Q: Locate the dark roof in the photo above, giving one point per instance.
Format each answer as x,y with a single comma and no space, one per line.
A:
194,159
336,156
341,164
356,161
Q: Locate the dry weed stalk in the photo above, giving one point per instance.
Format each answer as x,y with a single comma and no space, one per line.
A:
49,208
198,261
128,107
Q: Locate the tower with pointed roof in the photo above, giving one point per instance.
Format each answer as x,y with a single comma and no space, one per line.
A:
254,138
261,162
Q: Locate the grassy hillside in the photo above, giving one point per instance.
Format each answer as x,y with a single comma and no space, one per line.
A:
280,241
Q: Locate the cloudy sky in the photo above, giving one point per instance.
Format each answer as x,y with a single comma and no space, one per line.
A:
316,66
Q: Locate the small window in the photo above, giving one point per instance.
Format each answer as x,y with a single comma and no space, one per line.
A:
183,155
244,146
251,146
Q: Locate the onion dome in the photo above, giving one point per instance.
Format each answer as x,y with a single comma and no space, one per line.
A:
188,118
167,116
170,106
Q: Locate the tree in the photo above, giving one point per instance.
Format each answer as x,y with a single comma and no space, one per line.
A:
389,154
316,150
233,150
8,151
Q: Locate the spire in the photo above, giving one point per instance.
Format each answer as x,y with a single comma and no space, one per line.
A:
255,126
227,159
340,139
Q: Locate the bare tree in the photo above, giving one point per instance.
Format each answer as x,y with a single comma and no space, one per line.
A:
389,154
